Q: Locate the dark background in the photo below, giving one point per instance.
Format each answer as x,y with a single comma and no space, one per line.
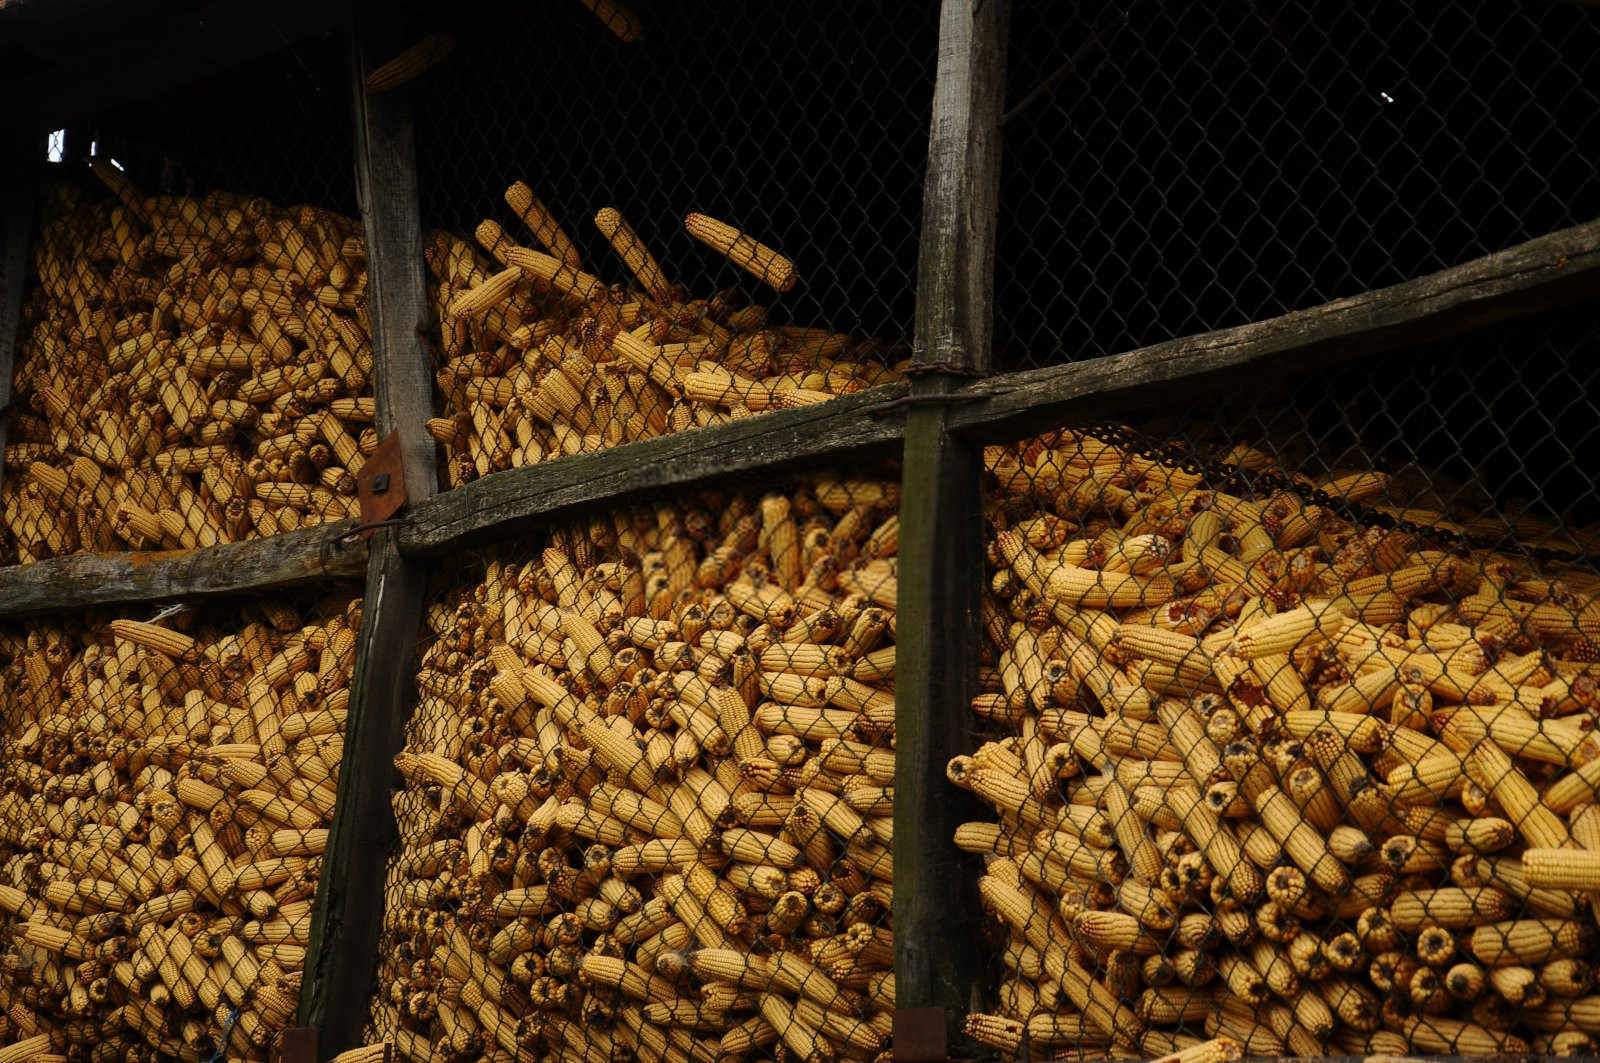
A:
1204,165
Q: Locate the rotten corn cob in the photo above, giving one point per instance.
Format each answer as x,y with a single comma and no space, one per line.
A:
193,371
649,795
165,796
1269,773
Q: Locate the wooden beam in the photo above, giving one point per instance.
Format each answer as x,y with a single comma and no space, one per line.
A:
1551,271
937,964
936,910
955,271
348,918
82,581
501,504
21,169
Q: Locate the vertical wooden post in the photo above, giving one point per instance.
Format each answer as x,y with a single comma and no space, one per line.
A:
937,965
348,919
21,164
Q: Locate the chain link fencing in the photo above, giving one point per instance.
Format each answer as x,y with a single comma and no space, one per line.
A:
662,218
1287,715
1171,169
195,358
647,808
166,787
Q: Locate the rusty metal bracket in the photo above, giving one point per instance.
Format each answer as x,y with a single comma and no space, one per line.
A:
920,1035
381,485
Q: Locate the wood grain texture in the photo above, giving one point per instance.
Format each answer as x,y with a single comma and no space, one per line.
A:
397,293
341,956
936,906
1551,271
503,503
341,959
81,581
955,266
937,962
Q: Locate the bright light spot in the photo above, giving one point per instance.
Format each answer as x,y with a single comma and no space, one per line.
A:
1385,96
55,146
118,165
94,148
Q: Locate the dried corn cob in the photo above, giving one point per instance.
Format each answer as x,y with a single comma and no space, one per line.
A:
646,787
163,826
544,360
409,64
179,352
1340,795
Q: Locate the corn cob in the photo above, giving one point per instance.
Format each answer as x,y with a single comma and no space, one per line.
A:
1345,819
577,366
689,813
409,64
179,351
169,889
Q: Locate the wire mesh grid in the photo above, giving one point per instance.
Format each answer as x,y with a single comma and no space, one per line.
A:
662,218
195,357
1286,716
1173,169
166,786
647,809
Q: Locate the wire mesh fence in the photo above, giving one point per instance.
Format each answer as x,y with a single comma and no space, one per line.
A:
166,787
647,809
194,365
1287,717
1172,169
1288,695
662,218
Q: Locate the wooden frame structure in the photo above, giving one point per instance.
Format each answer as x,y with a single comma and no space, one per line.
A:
940,421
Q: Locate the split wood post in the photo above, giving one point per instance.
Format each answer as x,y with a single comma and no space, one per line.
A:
941,534
348,918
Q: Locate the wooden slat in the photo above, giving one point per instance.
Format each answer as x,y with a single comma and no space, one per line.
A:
937,634
1554,270
955,263
1550,271
503,503
1547,272
303,556
941,554
342,954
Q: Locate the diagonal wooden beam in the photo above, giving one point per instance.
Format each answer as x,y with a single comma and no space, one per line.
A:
82,581
1545,273
1555,270
341,957
503,503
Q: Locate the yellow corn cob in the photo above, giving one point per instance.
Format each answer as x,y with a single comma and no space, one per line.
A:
409,64
631,249
1562,869
173,644
748,254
